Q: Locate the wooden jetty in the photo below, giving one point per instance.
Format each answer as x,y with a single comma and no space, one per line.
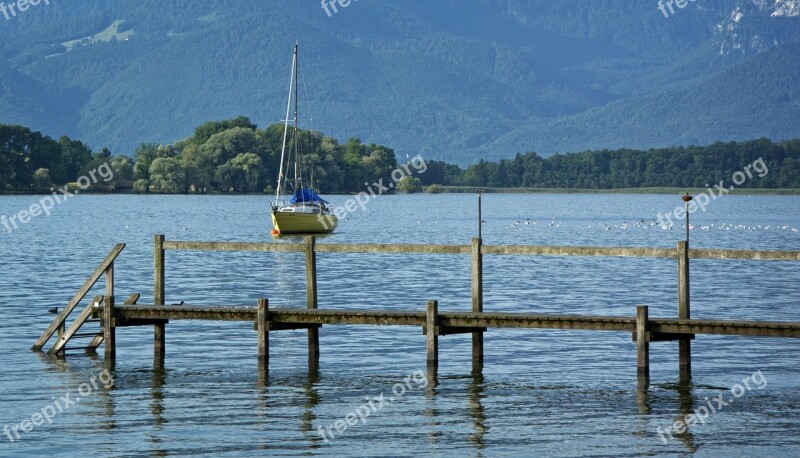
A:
434,324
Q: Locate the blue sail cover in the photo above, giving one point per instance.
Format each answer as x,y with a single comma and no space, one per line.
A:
303,195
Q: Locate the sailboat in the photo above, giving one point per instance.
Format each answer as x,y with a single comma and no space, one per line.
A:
306,212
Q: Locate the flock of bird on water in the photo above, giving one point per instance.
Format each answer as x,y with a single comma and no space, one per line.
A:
642,224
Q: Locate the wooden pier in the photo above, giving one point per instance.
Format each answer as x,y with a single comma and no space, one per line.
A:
433,323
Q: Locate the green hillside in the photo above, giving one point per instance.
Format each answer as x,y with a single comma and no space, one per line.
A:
453,80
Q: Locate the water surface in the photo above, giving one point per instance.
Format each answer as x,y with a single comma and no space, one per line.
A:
542,392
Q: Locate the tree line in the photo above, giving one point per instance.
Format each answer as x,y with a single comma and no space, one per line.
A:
235,156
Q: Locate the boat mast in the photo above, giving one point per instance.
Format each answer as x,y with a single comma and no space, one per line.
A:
297,182
292,80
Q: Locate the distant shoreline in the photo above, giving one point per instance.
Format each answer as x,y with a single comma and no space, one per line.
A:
739,191
472,190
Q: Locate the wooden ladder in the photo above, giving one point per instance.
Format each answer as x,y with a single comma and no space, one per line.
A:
106,267
60,347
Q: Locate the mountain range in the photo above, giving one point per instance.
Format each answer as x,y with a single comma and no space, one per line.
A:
454,80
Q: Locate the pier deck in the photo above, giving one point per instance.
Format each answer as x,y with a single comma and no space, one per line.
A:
433,323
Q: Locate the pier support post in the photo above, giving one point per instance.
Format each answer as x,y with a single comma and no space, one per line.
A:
110,280
109,331
642,344
311,299
477,301
432,329
159,344
684,345
159,329
262,323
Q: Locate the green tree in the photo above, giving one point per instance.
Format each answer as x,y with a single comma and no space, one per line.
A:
228,178
105,153
167,175
380,163
252,172
42,181
205,131
226,145
74,155
122,167
409,185
144,156
199,170
355,173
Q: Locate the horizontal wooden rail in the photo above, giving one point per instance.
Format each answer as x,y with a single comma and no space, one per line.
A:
519,250
750,255
234,246
182,312
726,327
535,321
391,248
580,251
131,314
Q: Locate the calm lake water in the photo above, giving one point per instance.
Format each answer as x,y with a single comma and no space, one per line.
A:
542,392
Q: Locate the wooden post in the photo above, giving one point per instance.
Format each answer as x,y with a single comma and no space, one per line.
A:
109,331
159,329
158,274
684,345
110,280
642,343
159,344
111,345
477,301
262,324
311,298
432,329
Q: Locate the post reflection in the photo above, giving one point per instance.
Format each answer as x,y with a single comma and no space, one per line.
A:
669,432
157,395
312,401
77,380
431,412
158,381
475,396
686,404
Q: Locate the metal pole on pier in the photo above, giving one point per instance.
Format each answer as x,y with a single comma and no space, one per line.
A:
684,307
480,221
686,199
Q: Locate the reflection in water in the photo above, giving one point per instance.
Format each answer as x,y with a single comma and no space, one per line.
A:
475,395
110,422
53,364
431,412
106,412
312,401
310,404
262,389
157,393
157,409
686,404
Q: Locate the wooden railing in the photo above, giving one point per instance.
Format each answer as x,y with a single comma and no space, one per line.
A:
105,268
682,254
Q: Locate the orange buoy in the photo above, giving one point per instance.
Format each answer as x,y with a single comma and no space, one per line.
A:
276,232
